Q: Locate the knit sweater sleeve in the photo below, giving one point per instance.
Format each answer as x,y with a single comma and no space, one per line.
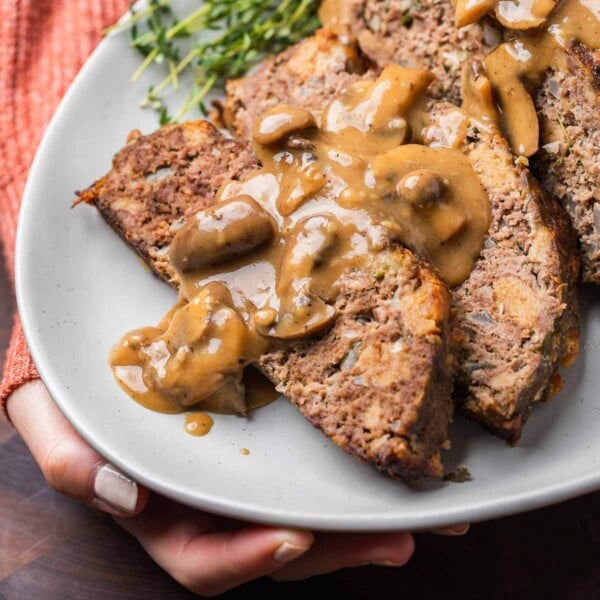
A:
19,367
43,44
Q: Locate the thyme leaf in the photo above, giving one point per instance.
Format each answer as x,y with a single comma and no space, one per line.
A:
245,31
461,475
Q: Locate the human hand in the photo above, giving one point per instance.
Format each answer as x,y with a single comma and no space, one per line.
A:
205,553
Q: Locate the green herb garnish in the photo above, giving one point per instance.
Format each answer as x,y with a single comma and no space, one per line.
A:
461,475
245,31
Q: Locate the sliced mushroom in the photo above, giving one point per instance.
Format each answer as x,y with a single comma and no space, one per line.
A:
197,359
477,95
518,115
302,313
370,114
524,14
225,231
421,187
307,246
229,399
305,319
279,122
512,14
470,11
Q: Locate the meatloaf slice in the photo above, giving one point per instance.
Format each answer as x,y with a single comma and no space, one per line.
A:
159,180
378,383
423,34
308,74
502,366
568,164
419,34
514,320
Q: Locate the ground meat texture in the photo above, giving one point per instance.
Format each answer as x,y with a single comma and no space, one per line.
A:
378,383
308,74
514,320
312,72
421,34
568,165
516,316
158,181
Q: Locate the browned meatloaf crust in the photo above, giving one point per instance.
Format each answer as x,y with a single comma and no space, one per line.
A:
568,164
308,74
514,320
158,181
378,383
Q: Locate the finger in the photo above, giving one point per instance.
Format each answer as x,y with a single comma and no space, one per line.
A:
331,552
453,530
207,560
68,463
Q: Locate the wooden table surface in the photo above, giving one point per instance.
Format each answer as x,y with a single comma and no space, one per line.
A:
54,548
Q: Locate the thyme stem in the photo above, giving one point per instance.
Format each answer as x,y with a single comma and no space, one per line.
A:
248,30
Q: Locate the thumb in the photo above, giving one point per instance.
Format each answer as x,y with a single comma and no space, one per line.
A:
68,463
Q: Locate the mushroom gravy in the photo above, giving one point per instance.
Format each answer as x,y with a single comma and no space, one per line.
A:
263,265
500,89
512,14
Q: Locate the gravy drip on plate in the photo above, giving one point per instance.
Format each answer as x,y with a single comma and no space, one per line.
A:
263,266
198,424
500,90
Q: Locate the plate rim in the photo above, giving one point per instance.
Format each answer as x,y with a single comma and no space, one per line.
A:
471,512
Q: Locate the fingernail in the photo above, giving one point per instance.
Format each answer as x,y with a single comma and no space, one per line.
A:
114,488
288,552
387,563
454,530
106,509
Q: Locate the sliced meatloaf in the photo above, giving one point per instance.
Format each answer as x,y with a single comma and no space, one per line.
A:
307,74
312,72
159,180
416,33
514,320
422,34
568,164
378,383
505,361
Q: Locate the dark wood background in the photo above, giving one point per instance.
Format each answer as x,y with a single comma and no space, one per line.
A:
53,548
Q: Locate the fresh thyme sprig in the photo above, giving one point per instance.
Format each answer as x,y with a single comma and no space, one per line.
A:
245,31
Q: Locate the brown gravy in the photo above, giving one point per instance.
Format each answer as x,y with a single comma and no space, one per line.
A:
501,89
512,14
198,424
337,15
259,390
263,265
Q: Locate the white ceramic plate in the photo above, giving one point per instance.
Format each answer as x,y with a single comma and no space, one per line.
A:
79,288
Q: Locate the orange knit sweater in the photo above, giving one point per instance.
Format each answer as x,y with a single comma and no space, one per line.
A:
43,43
